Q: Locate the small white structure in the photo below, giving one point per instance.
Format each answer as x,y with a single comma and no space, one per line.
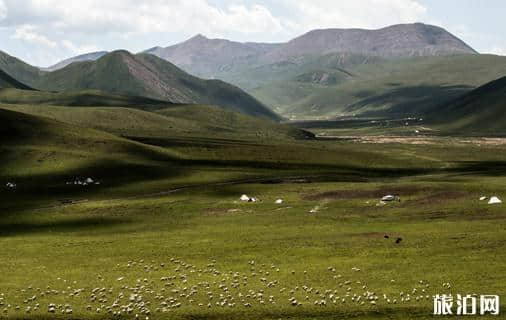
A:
89,180
483,198
315,209
244,197
494,200
279,201
389,198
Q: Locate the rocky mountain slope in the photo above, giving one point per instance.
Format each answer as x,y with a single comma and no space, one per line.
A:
405,40
206,57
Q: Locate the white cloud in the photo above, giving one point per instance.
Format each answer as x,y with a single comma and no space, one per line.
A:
131,17
78,49
3,10
371,14
29,34
63,24
497,51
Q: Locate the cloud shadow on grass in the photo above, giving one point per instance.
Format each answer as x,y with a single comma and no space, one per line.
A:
69,225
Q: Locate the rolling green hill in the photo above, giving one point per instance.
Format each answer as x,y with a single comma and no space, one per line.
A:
481,111
78,98
146,75
42,149
195,121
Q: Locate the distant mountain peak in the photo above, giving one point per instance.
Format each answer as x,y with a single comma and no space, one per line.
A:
199,37
120,52
401,40
80,58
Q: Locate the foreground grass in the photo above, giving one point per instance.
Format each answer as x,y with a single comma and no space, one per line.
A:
164,235
182,251
204,242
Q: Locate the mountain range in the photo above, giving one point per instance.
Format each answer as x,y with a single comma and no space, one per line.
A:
142,75
202,56
398,71
342,72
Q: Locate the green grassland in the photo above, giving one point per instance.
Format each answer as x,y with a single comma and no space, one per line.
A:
164,235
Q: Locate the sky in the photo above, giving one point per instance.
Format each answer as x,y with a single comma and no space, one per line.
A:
43,32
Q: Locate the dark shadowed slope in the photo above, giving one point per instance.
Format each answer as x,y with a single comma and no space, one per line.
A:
481,111
121,72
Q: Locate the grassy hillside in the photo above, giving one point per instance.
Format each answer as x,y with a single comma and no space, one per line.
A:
389,88
196,121
18,69
149,76
6,81
78,98
481,111
38,149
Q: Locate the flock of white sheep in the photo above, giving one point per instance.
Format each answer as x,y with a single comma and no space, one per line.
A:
84,182
11,185
76,182
140,289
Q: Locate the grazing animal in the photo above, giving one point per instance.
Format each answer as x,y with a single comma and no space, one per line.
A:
398,240
386,236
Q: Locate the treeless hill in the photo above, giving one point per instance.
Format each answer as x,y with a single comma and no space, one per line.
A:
146,75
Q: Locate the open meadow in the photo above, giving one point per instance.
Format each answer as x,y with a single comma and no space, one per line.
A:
164,235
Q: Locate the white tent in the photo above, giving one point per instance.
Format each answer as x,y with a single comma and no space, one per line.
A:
494,200
388,198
